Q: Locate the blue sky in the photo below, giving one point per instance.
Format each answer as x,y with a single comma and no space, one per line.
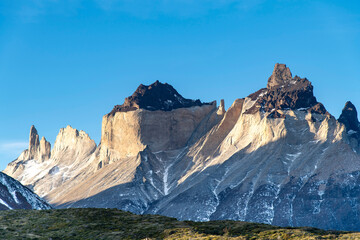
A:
68,62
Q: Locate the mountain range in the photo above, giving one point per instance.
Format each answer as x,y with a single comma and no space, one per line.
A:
276,156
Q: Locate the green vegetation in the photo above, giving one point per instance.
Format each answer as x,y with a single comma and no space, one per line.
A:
115,224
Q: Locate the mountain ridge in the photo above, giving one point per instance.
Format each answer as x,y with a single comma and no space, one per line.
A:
276,156
157,96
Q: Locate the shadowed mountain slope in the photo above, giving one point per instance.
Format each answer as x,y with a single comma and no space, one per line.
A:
13,195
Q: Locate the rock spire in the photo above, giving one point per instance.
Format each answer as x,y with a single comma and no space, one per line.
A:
221,109
280,76
39,150
349,118
34,142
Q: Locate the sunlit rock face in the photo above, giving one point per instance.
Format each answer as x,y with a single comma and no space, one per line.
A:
64,165
276,156
72,145
156,117
125,134
78,169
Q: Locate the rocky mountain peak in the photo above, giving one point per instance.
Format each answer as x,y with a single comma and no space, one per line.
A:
284,92
157,96
33,140
69,135
72,142
280,76
349,118
39,150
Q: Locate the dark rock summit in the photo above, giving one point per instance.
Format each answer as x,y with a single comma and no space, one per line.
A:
349,118
280,76
34,142
286,92
157,96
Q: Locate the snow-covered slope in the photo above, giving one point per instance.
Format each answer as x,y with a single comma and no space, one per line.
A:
13,195
276,156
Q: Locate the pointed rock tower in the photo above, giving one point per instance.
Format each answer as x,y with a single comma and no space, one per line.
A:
39,150
280,76
349,118
34,143
221,108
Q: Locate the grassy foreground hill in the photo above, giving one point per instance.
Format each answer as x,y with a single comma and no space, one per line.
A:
93,223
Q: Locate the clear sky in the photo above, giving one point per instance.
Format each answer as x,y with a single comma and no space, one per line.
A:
68,62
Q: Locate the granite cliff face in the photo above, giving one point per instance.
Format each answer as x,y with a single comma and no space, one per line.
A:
276,156
156,117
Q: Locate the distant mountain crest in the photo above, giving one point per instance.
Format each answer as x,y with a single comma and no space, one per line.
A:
280,76
157,96
285,92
